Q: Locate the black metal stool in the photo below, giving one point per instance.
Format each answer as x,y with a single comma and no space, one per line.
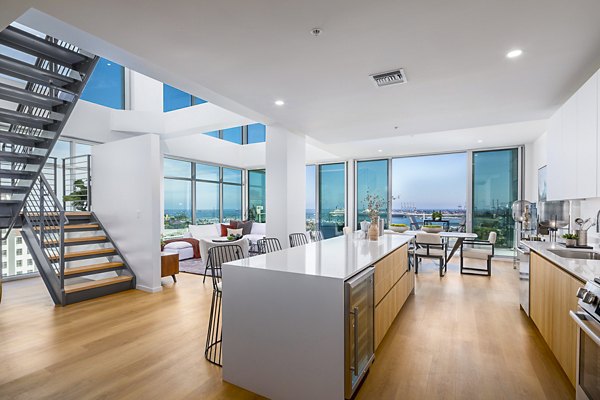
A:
268,245
216,257
298,239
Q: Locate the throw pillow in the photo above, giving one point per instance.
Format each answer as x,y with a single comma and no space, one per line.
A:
234,232
246,226
225,227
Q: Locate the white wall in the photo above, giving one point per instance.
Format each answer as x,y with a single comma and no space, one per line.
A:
536,156
126,193
286,183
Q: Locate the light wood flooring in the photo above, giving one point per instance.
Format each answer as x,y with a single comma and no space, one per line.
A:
459,337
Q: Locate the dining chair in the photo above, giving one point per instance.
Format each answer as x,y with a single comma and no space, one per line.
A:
217,256
478,249
430,245
317,236
298,239
268,245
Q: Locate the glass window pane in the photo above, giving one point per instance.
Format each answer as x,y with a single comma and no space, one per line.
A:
332,199
198,100
207,203
256,133
106,86
232,175
213,134
233,135
257,195
207,172
232,202
495,188
178,206
311,198
177,168
423,184
371,179
62,149
174,99
82,149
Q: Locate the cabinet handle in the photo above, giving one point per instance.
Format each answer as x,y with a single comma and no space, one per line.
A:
355,312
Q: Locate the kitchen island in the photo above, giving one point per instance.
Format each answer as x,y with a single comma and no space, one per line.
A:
284,317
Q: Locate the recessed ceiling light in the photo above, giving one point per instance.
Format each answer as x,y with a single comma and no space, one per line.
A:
279,103
480,141
514,53
380,150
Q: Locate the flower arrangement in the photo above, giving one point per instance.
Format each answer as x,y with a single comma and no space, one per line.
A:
374,204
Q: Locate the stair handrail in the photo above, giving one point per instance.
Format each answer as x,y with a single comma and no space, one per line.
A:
43,208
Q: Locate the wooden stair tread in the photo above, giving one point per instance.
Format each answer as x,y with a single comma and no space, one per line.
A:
85,253
92,268
83,239
69,227
77,287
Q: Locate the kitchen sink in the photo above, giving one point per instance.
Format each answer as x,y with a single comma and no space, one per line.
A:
582,255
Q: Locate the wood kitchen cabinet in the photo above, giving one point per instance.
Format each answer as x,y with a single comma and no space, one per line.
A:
393,284
552,296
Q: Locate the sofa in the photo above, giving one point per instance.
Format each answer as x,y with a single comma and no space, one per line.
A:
208,233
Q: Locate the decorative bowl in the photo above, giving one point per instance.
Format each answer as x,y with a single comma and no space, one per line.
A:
399,228
432,228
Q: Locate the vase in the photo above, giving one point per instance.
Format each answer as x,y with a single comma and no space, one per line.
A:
570,242
374,230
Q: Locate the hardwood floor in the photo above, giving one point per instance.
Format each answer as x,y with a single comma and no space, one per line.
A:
460,337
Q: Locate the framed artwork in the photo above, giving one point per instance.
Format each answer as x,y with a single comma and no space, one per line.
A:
542,186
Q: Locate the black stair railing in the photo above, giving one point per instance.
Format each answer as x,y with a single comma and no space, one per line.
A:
44,212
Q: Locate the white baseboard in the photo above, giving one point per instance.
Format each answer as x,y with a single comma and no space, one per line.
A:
149,289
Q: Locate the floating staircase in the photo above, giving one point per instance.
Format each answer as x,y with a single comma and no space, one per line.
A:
41,79
75,256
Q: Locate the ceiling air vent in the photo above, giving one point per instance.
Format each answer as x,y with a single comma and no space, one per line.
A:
390,77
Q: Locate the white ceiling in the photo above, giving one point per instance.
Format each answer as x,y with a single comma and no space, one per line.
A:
243,55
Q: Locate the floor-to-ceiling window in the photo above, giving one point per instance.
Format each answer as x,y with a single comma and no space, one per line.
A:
177,195
200,193
371,179
232,194
257,195
332,199
311,197
423,184
495,187
106,85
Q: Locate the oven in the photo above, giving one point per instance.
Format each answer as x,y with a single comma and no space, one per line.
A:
587,318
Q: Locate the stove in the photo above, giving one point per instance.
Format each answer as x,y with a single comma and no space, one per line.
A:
587,318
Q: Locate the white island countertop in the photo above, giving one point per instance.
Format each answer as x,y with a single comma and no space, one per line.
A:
341,257
584,270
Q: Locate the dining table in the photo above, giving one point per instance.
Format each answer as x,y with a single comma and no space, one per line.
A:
459,236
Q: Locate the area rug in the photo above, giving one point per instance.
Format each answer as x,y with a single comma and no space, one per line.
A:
192,266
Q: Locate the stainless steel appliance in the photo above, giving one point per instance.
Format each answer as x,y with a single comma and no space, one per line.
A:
359,331
523,258
587,318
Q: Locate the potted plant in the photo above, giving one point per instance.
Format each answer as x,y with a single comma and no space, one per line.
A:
374,203
399,227
570,239
436,215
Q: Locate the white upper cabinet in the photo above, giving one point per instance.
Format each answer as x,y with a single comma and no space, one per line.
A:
554,172
574,146
587,139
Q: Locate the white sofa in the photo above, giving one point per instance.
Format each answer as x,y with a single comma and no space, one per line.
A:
208,233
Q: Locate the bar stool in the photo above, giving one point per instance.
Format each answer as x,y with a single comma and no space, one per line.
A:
317,236
298,239
268,245
214,337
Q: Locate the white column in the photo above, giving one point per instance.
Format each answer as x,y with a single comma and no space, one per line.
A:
350,200
286,183
145,93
